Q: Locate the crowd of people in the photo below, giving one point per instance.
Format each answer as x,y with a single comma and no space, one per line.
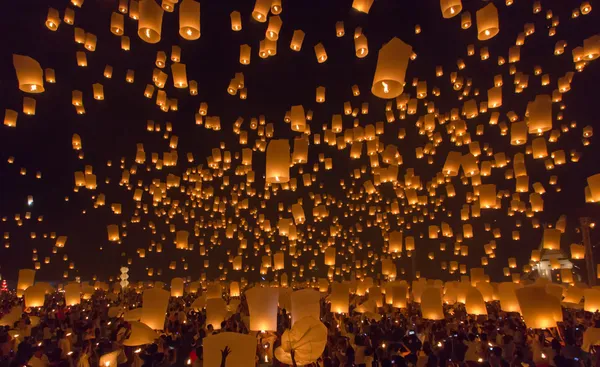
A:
78,336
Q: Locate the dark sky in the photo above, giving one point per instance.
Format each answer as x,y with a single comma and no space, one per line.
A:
111,128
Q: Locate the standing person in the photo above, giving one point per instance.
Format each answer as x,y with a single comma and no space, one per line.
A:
84,356
63,344
39,359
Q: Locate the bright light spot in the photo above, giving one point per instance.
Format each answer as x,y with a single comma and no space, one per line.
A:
451,10
487,32
386,88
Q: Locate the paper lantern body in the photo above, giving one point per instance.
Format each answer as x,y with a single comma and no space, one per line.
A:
72,294
538,309
591,300
508,297
150,22
450,8
189,20
29,74
216,311
176,287
487,22
141,334
474,302
262,304
35,296
25,280
154,307
431,304
392,62
278,161
339,297
305,302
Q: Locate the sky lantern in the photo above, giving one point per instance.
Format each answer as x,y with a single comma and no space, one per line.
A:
278,161
487,22
262,305
450,8
297,40
189,20
29,74
236,21
362,6
261,10
392,62
53,19
150,22
177,287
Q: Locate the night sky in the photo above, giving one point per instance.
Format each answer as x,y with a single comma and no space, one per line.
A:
110,130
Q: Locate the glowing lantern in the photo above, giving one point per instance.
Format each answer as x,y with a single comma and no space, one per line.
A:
113,232
261,9
262,304
450,8
150,22
189,20
53,19
278,161
72,294
305,303
474,302
538,309
392,62
176,287
297,40
35,296
320,53
29,74
154,307
273,28
179,75
507,297
362,6
361,46
487,22
431,304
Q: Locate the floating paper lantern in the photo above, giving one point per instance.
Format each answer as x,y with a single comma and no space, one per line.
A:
320,53
298,118
35,296
72,294
538,309
261,10
53,19
362,6
465,20
273,28
474,303
591,300
450,8
305,303
577,251
179,75
361,46
25,280
392,62
339,297
262,304
150,22
297,40
507,297
431,304
189,20
487,22
154,307
594,187
113,232
29,74
176,287
278,161
236,21
551,239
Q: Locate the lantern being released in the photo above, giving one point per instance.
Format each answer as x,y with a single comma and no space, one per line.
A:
392,62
